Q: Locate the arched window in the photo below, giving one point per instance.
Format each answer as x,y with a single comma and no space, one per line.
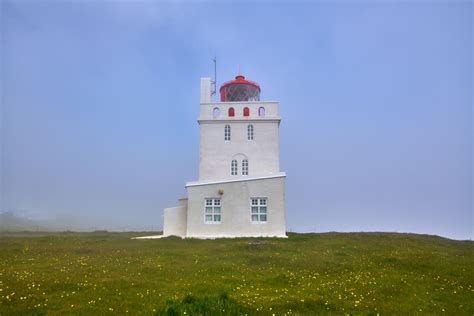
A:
231,112
246,111
250,132
261,112
227,133
245,167
233,167
216,112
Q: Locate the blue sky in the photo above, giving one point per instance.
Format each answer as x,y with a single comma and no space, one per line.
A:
100,100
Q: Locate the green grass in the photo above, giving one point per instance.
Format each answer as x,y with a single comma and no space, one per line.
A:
306,274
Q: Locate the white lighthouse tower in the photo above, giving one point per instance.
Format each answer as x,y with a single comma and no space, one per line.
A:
240,191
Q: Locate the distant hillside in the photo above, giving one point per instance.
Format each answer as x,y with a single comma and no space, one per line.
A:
9,221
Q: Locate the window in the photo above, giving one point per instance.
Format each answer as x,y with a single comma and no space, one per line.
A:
259,209
261,112
246,111
245,167
231,112
233,167
213,211
250,132
227,133
216,112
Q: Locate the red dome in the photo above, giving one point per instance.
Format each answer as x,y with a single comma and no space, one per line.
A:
240,89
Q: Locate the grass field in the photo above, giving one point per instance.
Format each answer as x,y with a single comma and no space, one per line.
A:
306,274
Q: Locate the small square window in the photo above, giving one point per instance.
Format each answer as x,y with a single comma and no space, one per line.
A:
212,211
258,210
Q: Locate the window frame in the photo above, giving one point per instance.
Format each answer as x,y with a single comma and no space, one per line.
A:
227,133
213,205
231,112
246,111
245,167
250,132
259,213
234,167
216,112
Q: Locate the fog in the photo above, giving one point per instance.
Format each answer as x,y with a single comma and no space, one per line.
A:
99,102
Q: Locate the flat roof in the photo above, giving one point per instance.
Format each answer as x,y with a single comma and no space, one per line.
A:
206,182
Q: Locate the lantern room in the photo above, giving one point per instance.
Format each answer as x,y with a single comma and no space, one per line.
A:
239,90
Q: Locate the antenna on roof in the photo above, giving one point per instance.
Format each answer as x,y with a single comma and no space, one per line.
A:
214,82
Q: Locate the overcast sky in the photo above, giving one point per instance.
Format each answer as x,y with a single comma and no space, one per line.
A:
100,101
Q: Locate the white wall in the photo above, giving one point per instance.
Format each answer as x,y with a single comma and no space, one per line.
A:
271,110
235,209
216,154
206,88
174,221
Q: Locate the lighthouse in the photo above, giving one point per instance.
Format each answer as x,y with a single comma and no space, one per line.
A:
240,190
